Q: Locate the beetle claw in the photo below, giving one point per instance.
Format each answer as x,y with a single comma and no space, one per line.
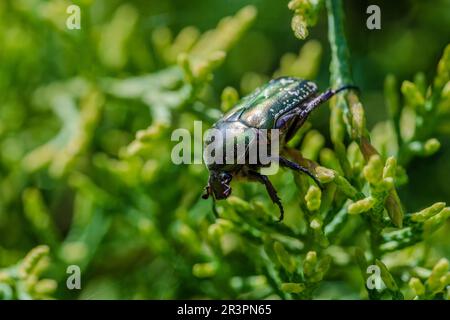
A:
320,185
280,219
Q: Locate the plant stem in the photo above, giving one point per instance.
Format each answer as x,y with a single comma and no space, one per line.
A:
340,57
354,111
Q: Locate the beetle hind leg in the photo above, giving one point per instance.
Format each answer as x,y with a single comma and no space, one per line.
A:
295,166
325,96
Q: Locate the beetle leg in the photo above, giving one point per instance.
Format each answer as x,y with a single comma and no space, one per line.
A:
295,166
325,96
270,190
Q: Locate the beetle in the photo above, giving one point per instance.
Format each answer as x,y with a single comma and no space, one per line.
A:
284,104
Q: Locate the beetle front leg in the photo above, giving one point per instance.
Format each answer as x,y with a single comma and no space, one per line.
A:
270,190
295,166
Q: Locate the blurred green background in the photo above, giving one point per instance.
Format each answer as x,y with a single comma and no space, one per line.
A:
135,224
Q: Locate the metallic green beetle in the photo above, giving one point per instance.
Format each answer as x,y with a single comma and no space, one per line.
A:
284,104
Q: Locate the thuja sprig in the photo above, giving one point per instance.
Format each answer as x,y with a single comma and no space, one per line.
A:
356,179
22,281
243,253
305,15
415,115
379,176
437,283
418,226
210,50
347,111
304,65
301,279
39,217
191,58
64,151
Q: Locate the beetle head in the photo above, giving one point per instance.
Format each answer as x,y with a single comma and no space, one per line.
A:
218,185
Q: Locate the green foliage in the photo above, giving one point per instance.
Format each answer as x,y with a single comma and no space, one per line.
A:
21,281
435,284
86,169
305,15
